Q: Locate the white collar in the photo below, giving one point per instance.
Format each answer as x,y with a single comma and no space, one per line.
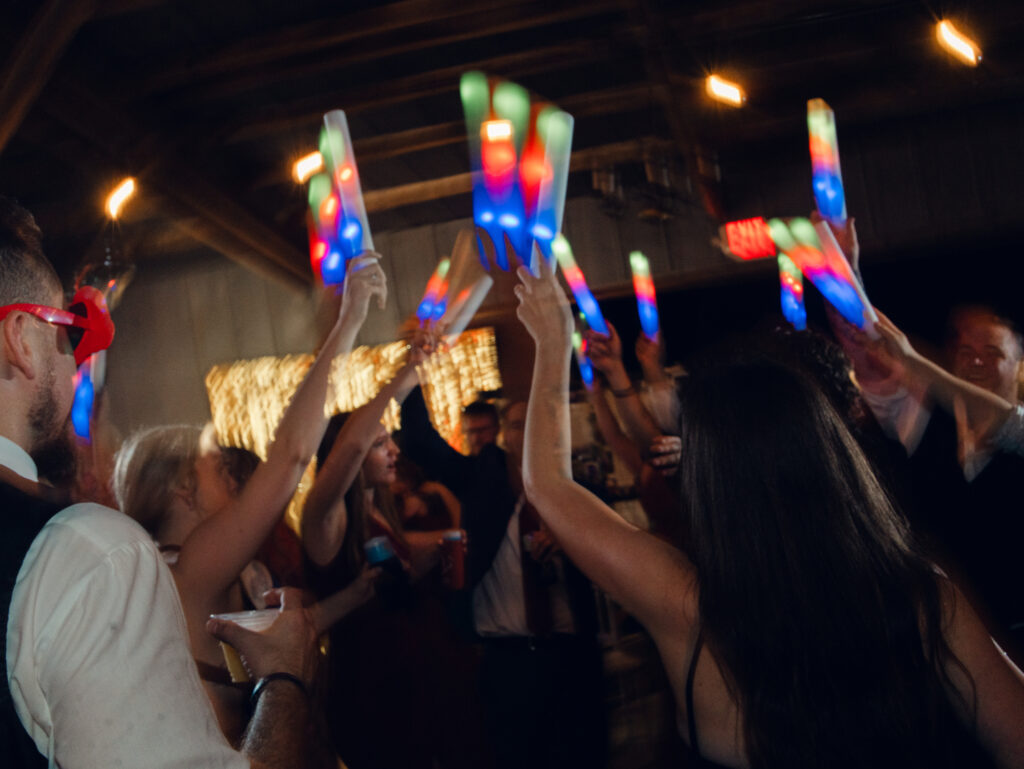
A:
14,457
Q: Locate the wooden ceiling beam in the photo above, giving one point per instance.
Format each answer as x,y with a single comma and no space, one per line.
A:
306,113
34,57
487,23
458,184
374,148
652,28
316,36
121,140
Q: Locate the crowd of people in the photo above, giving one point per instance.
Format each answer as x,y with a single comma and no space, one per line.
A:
830,571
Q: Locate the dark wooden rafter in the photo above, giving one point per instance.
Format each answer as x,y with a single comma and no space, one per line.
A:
34,58
653,28
40,46
374,148
458,184
487,22
316,36
125,141
308,112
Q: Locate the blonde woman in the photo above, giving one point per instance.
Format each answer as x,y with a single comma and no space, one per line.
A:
177,487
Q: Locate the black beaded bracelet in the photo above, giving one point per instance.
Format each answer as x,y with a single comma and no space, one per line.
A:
625,392
262,684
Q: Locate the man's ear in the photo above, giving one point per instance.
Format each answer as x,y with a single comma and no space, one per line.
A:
17,344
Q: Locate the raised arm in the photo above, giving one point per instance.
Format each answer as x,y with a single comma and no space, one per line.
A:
994,694
605,353
219,548
652,580
324,517
608,425
985,410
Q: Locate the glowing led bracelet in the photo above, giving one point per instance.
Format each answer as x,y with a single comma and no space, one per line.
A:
826,176
519,155
435,293
577,283
585,366
643,287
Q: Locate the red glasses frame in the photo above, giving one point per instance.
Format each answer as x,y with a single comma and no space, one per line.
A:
92,319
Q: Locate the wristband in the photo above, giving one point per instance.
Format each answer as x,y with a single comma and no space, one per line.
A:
625,392
262,684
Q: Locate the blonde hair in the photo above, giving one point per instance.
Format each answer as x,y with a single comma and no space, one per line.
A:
150,467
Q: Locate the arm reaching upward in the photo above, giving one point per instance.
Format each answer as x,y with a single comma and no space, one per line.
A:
324,518
985,411
651,579
605,352
219,548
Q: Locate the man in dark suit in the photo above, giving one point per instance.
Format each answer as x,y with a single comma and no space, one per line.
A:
531,610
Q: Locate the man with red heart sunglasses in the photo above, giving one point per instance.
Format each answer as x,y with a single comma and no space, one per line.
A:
98,662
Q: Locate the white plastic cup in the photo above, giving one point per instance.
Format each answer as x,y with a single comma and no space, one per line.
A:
256,621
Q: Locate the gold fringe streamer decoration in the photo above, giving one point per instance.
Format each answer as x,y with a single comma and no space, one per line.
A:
248,398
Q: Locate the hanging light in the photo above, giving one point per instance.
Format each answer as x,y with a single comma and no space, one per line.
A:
306,166
725,91
958,44
117,198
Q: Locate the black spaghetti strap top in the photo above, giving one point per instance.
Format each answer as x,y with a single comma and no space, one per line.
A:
696,759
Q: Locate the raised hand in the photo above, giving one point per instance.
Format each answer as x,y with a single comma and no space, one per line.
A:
363,281
666,451
605,350
651,355
543,308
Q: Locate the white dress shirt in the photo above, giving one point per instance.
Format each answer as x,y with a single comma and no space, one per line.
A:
499,606
98,659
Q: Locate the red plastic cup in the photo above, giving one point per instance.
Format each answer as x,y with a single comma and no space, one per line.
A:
453,559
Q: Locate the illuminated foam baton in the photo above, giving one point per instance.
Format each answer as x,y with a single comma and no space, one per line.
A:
585,366
826,267
643,287
339,229
434,301
748,239
519,154
826,176
577,283
791,292
464,307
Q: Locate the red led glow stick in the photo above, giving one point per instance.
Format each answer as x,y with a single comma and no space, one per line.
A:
643,287
578,285
435,293
826,176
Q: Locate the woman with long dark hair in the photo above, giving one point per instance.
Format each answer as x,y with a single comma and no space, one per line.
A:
800,628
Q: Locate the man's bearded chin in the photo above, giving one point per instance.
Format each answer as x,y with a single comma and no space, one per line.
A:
52,448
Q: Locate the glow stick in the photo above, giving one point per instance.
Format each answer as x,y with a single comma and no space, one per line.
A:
827,270
436,286
826,176
555,129
336,203
643,287
465,306
585,366
792,293
81,406
519,154
577,283
838,265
